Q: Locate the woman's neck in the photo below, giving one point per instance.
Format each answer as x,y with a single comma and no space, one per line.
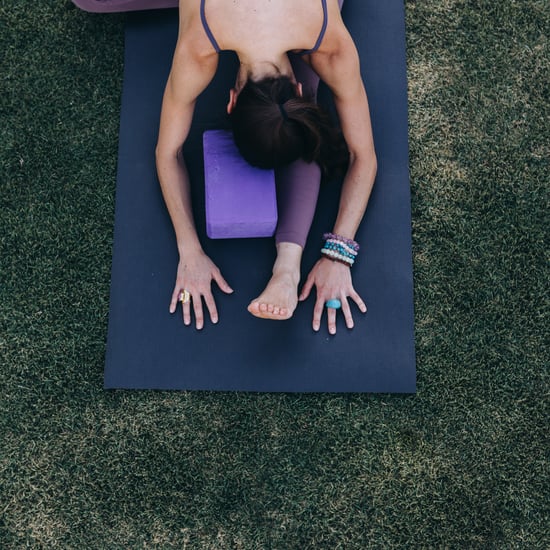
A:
263,66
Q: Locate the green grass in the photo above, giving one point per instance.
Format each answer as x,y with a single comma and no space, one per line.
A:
463,464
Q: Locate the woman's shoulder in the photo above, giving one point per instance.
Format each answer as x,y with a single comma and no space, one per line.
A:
337,60
337,40
192,39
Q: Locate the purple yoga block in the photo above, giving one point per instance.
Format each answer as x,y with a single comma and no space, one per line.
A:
241,200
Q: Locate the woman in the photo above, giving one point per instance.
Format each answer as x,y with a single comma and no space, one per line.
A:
283,47
262,33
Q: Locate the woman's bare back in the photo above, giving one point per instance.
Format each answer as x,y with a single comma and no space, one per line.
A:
257,25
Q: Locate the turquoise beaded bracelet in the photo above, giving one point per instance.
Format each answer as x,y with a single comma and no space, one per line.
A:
340,249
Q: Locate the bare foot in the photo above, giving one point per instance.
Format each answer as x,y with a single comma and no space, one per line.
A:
280,297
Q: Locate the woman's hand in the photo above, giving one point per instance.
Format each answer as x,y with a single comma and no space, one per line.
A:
195,274
332,281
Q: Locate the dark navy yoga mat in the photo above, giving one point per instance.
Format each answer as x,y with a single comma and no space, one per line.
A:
149,348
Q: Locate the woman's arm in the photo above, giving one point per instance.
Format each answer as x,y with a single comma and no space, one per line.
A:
189,75
339,69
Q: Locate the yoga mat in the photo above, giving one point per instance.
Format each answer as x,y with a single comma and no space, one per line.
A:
149,348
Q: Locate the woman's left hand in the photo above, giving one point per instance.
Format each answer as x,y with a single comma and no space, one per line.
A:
332,281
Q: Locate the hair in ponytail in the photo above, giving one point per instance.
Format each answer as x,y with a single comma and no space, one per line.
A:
273,126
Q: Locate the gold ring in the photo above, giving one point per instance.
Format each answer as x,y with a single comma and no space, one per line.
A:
184,296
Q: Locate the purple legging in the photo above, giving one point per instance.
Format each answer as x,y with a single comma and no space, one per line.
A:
112,6
297,183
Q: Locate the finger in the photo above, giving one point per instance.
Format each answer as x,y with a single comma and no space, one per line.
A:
318,313
186,311
175,299
197,308
331,318
346,311
357,299
222,283
211,305
306,289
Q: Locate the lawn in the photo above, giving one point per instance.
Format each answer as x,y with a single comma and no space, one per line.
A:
462,464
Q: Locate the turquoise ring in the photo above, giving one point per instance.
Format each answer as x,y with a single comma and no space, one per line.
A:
334,303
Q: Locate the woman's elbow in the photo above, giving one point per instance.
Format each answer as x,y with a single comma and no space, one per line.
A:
160,152
372,162
164,154
366,159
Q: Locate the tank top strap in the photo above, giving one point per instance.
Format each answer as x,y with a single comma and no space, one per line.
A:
207,28
322,33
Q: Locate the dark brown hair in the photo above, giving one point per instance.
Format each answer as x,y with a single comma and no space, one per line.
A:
273,126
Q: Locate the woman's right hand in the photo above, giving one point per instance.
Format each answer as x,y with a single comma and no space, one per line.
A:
195,274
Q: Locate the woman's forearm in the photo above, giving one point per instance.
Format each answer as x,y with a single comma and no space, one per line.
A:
189,75
175,185
356,191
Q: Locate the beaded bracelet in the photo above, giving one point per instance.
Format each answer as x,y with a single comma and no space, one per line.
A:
349,242
332,255
336,258
343,248
340,249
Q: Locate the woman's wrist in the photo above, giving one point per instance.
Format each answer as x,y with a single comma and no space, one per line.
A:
189,247
340,249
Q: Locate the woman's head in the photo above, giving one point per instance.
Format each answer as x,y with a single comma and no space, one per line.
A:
273,125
